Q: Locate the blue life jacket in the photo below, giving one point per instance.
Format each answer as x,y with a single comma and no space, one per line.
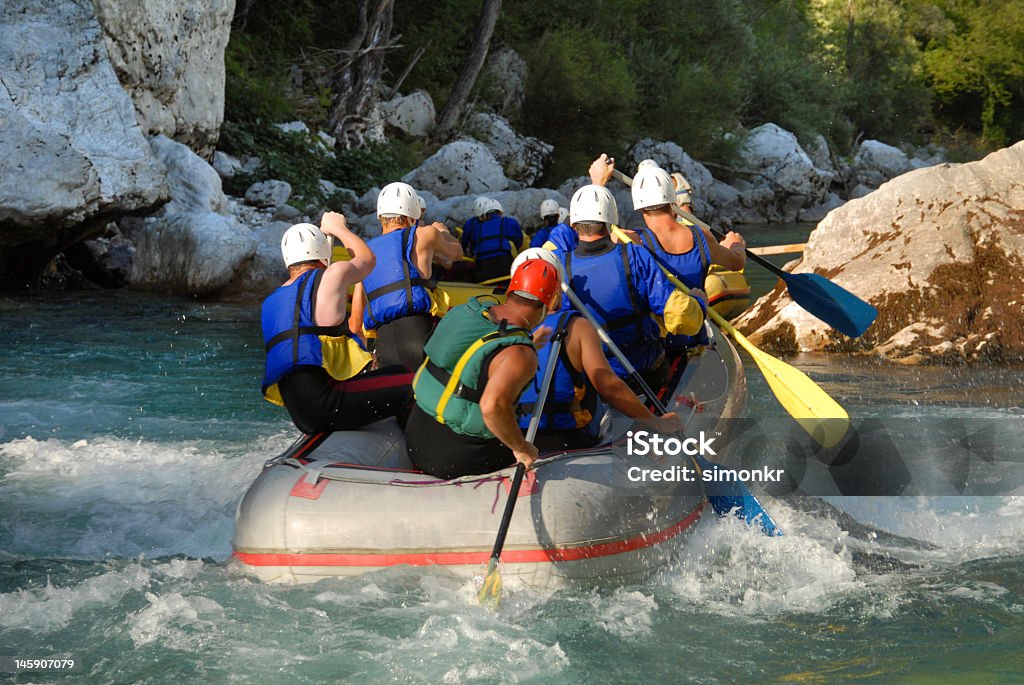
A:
468,239
499,236
691,268
563,238
292,339
604,283
540,237
572,402
395,287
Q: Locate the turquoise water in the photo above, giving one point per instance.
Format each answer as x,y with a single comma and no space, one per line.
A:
130,426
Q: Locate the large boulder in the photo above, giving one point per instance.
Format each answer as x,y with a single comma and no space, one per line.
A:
413,113
504,81
72,155
169,55
875,163
524,205
774,159
939,251
459,168
266,270
191,246
522,157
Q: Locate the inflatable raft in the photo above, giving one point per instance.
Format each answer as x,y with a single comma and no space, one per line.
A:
354,503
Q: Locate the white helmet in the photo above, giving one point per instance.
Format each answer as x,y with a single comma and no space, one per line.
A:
398,199
423,203
652,186
548,207
480,205
593,203
539,253
493,206
305,243
563,215
683,188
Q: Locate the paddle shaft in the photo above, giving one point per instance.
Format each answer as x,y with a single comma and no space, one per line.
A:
606,339
778,249
531,433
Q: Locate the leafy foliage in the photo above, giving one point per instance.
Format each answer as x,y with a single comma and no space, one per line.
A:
605,73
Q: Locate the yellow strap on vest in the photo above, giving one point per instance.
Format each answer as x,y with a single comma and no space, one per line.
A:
453,382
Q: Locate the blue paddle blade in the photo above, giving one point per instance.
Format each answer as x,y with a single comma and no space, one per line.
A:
833,304
728,496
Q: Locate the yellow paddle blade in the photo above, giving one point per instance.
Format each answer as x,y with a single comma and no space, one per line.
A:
804,400
816,412
490,593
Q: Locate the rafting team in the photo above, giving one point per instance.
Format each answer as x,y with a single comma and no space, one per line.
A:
464,382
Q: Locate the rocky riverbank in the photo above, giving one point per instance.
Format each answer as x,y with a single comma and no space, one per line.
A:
109,175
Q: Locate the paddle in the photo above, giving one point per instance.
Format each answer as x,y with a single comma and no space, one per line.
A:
726,496
813,408
827,301
490,593
778,249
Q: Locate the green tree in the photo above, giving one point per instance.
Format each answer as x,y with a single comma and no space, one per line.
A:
974,55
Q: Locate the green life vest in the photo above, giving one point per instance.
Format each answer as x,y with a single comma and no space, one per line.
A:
449,384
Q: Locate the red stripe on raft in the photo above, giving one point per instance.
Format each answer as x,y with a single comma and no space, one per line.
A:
375,382
510,556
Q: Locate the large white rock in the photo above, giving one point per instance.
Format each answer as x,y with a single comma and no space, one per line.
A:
671,158
875,163
190,246
71,150
504,80
521,204
169,55
413,113
522,157
195,185
266,270
188,254
939,251
269,193
459,168
779,162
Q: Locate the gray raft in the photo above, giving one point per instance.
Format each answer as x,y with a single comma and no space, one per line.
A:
356,503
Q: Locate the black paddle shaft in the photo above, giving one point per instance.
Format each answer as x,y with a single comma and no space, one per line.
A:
531,432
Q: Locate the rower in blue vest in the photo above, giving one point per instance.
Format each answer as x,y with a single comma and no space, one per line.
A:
495,242
562,237
623,285
396,300
582,383
316,367
549,219
689,251
469,235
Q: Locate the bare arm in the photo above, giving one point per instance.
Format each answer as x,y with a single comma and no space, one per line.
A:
509,372
585,352
355,319
730,252
331,300
434,244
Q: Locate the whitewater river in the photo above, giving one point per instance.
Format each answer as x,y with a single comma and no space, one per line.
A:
130,426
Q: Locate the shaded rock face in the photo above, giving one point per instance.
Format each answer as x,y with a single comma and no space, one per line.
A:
522,157
191,246
782,165
504,78
169,56
71,152
413,113
939,251
459,168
